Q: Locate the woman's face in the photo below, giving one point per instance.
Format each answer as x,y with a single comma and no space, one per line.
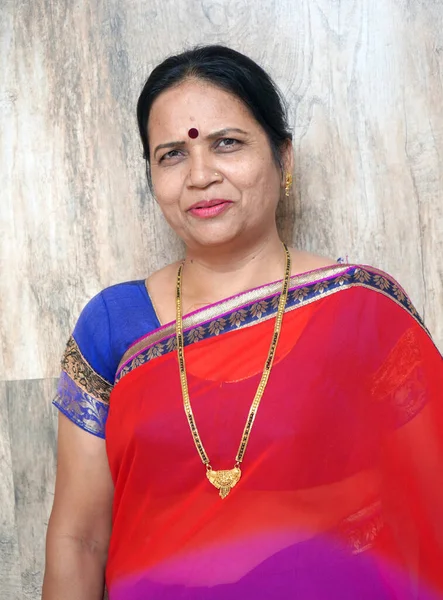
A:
217,186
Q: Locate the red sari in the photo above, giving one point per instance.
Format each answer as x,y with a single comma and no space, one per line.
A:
341,494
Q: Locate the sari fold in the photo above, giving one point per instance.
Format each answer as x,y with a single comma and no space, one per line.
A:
342,488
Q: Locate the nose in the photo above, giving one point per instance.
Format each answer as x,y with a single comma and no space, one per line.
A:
202,172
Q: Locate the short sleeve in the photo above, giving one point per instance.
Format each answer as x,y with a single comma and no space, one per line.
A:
86,379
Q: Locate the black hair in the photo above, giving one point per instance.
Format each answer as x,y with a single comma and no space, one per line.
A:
229,70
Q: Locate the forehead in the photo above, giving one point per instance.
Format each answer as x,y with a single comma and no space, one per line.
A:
195,103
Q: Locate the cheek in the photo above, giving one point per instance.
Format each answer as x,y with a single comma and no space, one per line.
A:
167,188
259,177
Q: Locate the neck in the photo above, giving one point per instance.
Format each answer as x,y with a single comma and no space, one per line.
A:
210,275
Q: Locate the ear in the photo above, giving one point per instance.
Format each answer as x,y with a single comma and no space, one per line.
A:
287,156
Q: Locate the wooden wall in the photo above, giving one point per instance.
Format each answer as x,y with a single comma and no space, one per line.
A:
364,80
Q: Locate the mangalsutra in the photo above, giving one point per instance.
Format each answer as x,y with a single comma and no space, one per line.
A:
224,481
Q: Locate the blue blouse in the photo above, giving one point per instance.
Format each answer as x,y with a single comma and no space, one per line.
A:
110,322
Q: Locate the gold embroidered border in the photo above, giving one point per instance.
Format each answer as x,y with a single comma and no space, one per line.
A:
80,371
361,529
87,412
395,370
227,306
321,287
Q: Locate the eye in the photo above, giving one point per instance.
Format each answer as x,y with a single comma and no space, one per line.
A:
170,155
228,143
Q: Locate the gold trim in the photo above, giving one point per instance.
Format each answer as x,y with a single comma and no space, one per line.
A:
412,311
399,382
83,375
363,513
362,528
345,281
208,313
396,369
87,412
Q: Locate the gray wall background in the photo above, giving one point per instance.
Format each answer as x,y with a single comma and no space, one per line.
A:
364,81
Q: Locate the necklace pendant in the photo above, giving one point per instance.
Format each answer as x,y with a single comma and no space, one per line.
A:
224,480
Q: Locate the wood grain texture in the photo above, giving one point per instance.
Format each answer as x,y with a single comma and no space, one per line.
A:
32,424
361,183
10,579
364,83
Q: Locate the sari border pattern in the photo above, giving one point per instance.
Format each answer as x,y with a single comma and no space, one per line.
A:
89,413
261,304
400,381
83,375
222,308
361,529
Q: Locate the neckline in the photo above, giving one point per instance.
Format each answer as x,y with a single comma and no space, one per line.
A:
202,316
301,276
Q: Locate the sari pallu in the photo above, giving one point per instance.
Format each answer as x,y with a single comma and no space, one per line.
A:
341,494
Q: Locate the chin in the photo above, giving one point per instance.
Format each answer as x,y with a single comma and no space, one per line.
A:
213,241
212,238
211,233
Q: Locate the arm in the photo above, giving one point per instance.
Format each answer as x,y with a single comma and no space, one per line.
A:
80,523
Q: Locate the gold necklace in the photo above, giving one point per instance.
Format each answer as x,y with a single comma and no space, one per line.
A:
226,480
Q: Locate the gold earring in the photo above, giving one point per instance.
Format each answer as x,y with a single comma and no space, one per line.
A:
288,184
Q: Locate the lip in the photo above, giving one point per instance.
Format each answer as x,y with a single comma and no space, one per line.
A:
209,208
209,203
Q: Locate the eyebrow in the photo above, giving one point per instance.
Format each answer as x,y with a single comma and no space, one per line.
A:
211,136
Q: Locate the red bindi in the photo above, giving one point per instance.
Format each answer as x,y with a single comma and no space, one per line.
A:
193,133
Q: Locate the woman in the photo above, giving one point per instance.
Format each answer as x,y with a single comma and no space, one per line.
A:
320,376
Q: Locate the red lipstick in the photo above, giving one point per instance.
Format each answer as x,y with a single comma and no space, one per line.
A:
209,208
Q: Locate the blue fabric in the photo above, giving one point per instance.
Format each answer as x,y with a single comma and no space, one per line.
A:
112,321
80,407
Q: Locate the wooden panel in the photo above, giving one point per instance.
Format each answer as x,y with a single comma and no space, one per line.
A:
365,101
10,580
32,429
364,83
423,111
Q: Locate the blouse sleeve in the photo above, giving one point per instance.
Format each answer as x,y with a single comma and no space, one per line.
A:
87,377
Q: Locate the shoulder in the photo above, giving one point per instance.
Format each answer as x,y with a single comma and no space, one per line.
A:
361,275
98,311
164,277
307,261
375,279
379,291
110,322
371,286
124,292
